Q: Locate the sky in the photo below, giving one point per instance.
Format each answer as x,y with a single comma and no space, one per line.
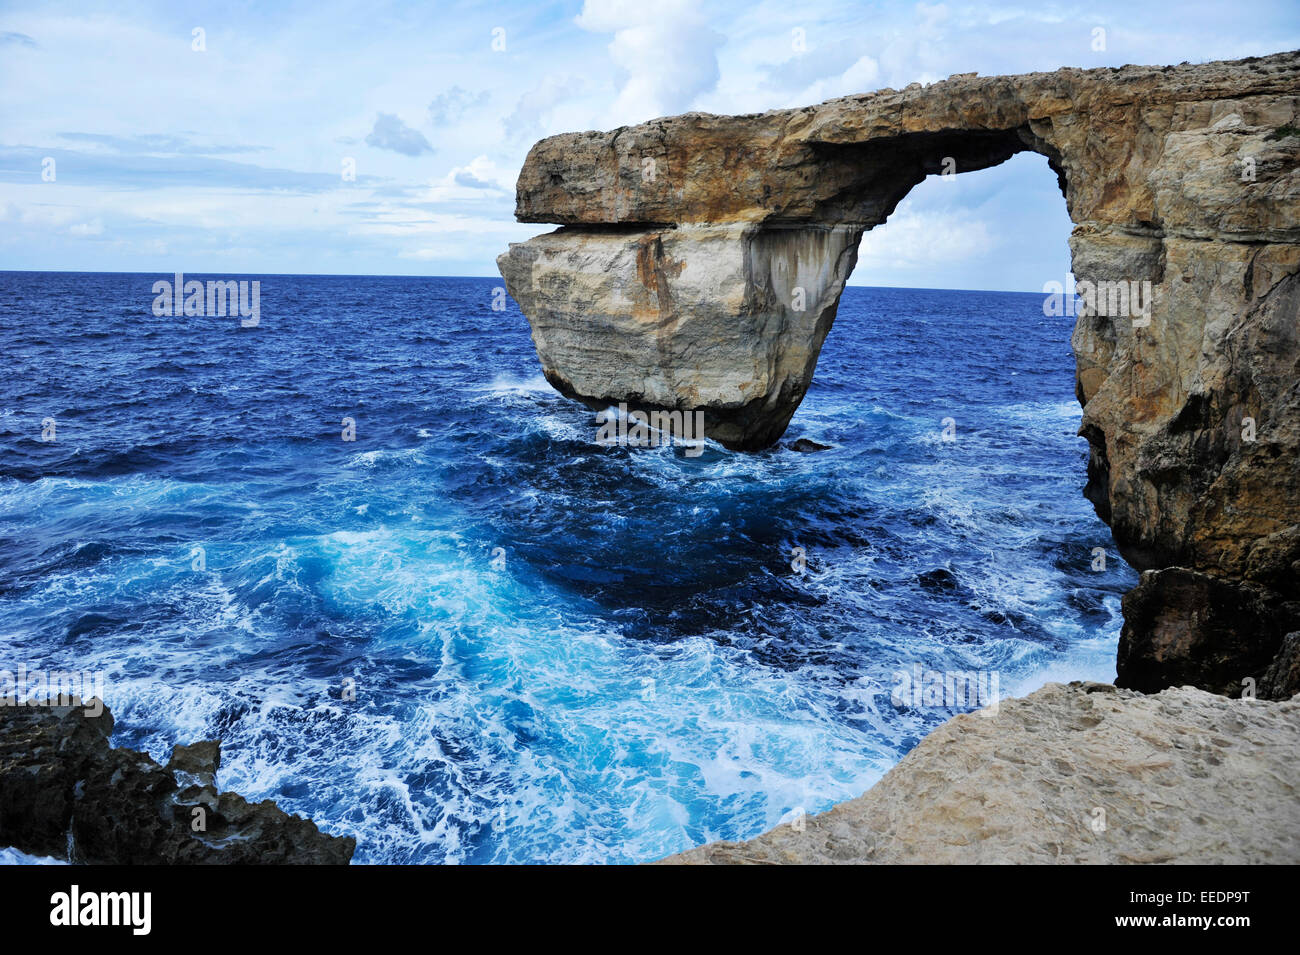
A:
385,138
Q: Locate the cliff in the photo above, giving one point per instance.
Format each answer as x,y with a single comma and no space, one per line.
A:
701,258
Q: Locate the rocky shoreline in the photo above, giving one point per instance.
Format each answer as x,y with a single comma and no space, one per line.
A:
698,266
1085,773
67,793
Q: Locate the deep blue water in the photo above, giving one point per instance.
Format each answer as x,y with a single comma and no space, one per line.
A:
639,669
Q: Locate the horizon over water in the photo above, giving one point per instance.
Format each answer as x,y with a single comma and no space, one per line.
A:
495,278
560,652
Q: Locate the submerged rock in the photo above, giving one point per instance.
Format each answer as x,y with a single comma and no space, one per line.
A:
807,446
66,792
938,580
1084,773
701,258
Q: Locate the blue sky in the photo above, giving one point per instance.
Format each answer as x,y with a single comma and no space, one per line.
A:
229,159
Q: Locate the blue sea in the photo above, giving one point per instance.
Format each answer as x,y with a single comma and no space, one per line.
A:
472,635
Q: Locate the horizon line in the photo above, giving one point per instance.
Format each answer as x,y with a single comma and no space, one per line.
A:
383,275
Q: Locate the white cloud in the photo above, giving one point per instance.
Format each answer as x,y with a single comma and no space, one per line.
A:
449,106
480,179
666,51
278,201
862,76
481,173
927,240
533,110
393,134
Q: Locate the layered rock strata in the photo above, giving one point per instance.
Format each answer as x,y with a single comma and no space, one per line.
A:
700,260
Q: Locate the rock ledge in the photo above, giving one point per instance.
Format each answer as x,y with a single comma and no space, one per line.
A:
1084,773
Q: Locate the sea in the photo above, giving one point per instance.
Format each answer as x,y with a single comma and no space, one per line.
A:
366,546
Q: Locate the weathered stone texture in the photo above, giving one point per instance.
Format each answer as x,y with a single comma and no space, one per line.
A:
701,260
66,792
1083,773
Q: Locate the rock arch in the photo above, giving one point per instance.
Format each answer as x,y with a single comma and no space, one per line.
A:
671,284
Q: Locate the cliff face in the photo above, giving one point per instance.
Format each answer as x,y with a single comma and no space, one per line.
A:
701,258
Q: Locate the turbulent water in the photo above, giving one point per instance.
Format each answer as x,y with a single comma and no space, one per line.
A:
472,634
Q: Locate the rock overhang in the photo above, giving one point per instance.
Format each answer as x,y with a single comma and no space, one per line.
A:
701,259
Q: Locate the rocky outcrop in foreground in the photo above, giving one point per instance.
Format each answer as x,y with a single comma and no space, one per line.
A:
1084,773
66,792
700,262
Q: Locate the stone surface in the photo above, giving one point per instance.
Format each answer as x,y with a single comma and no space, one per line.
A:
689,318
808,446
1183,627
1084,773
1281,680
66,792
700,261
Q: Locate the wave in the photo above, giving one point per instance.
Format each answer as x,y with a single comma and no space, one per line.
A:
477,636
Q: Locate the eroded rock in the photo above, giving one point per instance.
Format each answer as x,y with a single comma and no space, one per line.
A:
1185,627
65,792
1281,681
808,446
701,258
